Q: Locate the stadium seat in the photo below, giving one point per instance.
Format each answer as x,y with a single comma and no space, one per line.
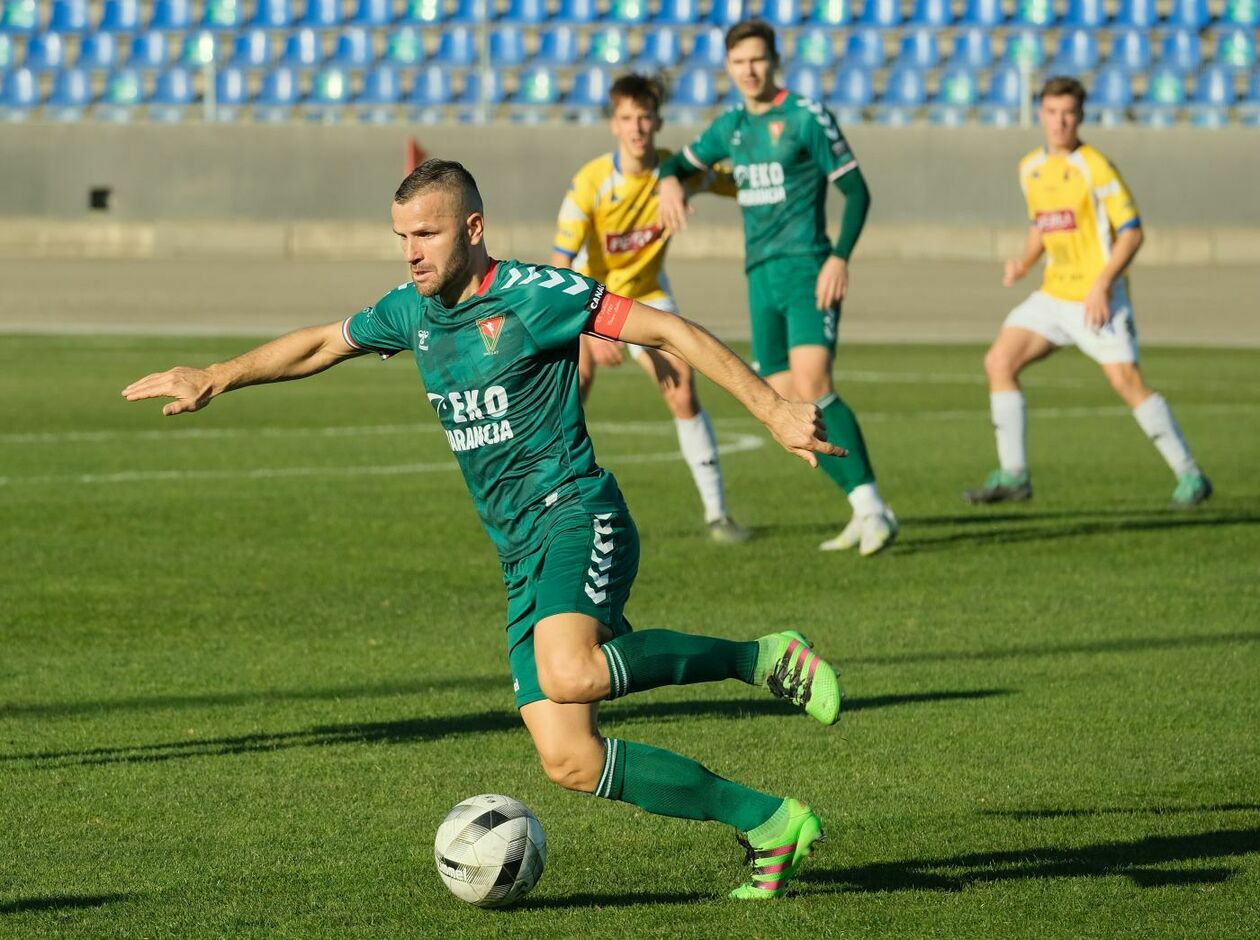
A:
934,13
171,15
6,52
904,94
457,47
983,13
919,50
1136,14
281,90
302,49
354,48
831,13
590,88
1110,97
708,49
119,16
148,51
506,46
1213,97
98,52
381,93
526,12
423,12
1034,14
431,88
321,14
1130,50
813,47
577,11
609,46
972,48
956,96
405,47
628,12
1235,49
782,14
124,92
1164,98
483,88
173,93
1188,14
199,49
1240,13
330,93
1077,53
251,49
726,13
694,88
1001,103
662,49
807,81
854,90
19,94
68,16
45,52
1249,108
538,87
1180,51
371,14
678,12
1086,14
558,46
70,96
223,14
885,14
865,48
231,92
19,16
1025,48
273,14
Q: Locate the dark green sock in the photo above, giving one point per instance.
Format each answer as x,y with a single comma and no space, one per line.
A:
652,658
842,428
669,784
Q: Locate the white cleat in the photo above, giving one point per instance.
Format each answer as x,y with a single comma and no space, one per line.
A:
878,532
850,537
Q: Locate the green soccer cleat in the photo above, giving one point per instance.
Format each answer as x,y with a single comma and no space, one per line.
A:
1192,489
1001,487
726,531
777,860
790,669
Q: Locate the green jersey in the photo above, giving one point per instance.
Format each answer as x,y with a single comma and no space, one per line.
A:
783,161
500,370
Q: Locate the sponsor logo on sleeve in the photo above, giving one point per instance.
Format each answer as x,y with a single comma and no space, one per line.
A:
596,298
1056,220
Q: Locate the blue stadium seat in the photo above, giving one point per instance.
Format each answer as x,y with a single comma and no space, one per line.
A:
70,96
526,12
273,14
1235,49
231,92
457,47
1025,47
885,14
1180,51
1000,104
1110,97
173,93
330,91
708,49
956,97
1034,14
45,52
223,15
1213,97
199,49
590,88
251,49
807,81
1249,108
628,12
473,12
983,13
19,16
727,13
7,56
853,91
483,87
558,46
832,12
372,13
678,12
1077,54
1136,14
904,94
119,16
1164,98
281,90
148,51
506,46
68,16
405,46
124,93
577,11
813,47
934,13
694,88
609,46
1088,14
972,48
1130,50
662,49
321,14
538,87
19,94
1188,14
302,49
432,87
423,12
98,51
782,14
1240,13
171,15
919,49
865,48
382,91
354,48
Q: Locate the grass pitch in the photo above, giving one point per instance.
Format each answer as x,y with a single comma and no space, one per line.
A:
252,656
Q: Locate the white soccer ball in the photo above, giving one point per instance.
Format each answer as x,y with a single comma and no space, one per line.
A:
490,850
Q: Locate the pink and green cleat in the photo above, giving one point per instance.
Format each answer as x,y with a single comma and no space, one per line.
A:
777,859
790,669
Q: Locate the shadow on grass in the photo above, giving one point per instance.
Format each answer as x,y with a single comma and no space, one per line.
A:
1134,860
59,902
1023,814
596,901
444,726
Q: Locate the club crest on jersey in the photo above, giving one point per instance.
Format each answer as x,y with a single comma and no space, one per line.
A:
776,131
491,328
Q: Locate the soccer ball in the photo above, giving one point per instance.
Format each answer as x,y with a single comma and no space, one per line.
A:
490,850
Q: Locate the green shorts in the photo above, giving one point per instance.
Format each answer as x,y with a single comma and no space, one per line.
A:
586,565
784,313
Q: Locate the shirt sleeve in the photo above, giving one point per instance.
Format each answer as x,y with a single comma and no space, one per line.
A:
576,214
384,327
1109,189
558,306
712,146
825,143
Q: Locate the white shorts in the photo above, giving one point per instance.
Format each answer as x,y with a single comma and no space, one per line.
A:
666,303
1063,323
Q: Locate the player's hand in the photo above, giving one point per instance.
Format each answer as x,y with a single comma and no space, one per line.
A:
1012,271
605,352
798,426
1098,307
833,283
673,207
192,389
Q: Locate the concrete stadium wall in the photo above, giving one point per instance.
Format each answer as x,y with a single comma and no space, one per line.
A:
324,190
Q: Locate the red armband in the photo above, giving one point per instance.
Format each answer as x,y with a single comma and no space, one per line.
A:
608,312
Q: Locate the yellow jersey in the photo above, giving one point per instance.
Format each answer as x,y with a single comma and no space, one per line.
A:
609,225
1079,203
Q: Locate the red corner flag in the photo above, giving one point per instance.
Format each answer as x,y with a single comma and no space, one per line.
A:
415,156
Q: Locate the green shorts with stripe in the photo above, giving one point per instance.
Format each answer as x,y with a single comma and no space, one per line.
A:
586,565
784,313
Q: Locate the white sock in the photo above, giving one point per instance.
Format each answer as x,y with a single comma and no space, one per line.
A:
866,501
1009,420
1156,419
699,449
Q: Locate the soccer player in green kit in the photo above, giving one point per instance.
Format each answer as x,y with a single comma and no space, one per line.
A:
496,343
785,150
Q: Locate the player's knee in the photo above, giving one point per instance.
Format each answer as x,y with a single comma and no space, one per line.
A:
571,767
570,682
998,364
1128,384
681,401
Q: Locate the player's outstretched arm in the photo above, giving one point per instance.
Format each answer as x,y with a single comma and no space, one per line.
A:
1098,300
293,356
797,426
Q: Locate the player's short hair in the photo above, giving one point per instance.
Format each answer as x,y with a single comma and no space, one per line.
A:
1057,85
752,29
441,174
647,92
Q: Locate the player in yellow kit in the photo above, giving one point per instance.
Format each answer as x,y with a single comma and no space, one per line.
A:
609,230
1086,223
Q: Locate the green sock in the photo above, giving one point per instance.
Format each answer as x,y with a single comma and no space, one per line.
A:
669,784
652,658
852,471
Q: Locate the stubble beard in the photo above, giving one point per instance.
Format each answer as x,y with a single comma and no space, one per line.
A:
455,271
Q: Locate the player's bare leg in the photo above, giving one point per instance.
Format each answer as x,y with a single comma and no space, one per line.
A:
1013,350
696,439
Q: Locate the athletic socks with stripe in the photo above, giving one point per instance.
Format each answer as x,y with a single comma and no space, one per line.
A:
649,659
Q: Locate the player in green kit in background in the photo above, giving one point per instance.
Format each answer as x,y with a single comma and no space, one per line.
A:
785,151
496,343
